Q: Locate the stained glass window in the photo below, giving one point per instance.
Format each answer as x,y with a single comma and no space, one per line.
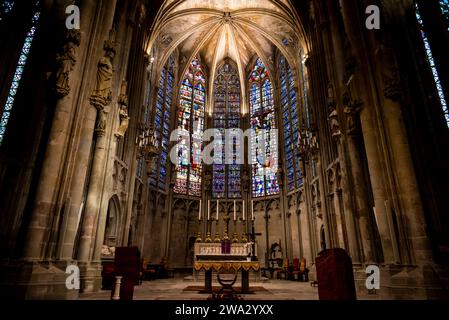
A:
5,8
264,179
290,119
444,4
432,64
162,116
18,75
190,119
226,177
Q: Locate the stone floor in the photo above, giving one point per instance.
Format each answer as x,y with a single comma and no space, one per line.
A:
173,289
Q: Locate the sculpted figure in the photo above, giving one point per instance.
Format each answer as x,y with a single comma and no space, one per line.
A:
124,122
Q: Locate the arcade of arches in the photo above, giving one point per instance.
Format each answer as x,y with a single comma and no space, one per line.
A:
86,161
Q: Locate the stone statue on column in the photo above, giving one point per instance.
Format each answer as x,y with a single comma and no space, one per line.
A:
123,112
66,62
102,94
124,122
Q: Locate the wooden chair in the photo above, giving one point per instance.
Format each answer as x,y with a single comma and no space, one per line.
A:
148,272
284,272
303,271
295,271
167,272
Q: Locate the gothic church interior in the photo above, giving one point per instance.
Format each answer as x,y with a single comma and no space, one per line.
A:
88,162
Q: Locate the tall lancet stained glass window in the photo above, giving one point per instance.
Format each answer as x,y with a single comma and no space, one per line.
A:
444,4
226,181
290,118
263,119
23,58
190,119
5,7
431,61
158,177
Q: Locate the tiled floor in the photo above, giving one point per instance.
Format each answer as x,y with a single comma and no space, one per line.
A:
172,289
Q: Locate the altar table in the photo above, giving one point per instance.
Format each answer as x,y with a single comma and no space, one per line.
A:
227,266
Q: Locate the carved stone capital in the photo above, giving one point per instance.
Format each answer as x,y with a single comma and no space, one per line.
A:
100,126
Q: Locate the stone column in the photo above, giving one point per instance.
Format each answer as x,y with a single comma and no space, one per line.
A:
54,160
353,182
56,153
126,130
405,177
352,110
100,99
359,86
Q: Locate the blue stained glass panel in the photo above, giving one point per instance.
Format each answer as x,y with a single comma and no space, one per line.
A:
190,117
264,181
443,102
6,7
226,177
162,118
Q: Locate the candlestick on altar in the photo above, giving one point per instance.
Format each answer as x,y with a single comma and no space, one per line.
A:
243,210
199,212
235,212
252,209
218,204
208,211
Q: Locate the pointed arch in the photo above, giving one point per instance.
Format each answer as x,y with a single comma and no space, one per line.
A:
113,223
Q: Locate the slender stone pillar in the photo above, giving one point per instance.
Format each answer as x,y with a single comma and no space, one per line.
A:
359,183
407,185
94,196
100,99
126,128
361,86
354,185
348,214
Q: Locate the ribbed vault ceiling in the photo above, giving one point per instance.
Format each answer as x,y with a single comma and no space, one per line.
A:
238,29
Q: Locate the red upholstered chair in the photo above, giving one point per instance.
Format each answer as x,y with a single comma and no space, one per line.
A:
304,272
295,271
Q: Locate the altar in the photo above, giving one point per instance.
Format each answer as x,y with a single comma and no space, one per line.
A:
223,254
211,257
